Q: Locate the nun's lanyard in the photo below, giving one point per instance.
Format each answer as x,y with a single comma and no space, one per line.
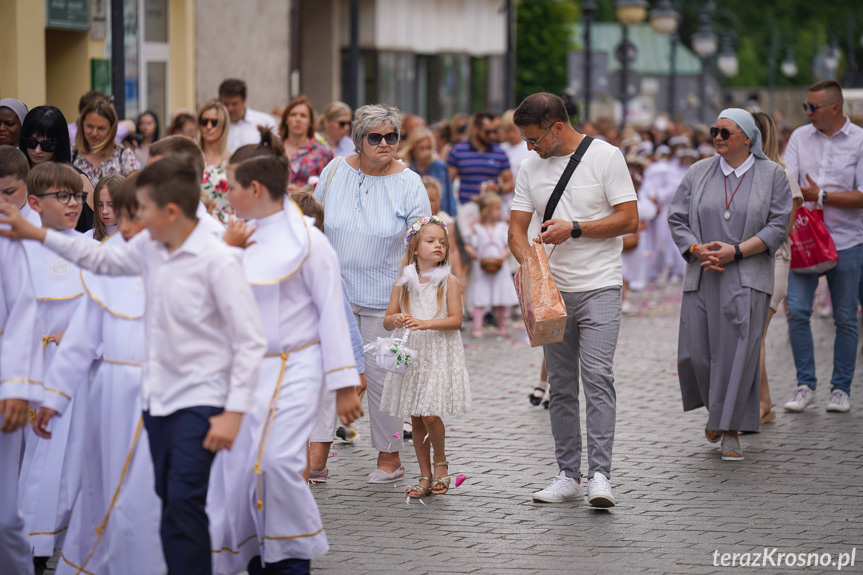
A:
727,201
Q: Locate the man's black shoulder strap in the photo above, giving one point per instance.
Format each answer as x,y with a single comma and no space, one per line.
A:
574,160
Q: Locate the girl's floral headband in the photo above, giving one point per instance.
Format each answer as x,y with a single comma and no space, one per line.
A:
417,226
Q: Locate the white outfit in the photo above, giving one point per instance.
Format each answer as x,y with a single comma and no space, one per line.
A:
51,468
204,335
497,289
633,266
601,182
109,324
246,130
31,215
109,229
437,383
258,501
516,153
20,378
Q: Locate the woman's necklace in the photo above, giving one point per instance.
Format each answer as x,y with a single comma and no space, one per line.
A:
362,177
727,201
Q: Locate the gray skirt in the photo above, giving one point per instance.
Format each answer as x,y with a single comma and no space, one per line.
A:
721,326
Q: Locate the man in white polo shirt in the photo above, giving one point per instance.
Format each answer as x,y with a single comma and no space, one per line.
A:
598,206
244,120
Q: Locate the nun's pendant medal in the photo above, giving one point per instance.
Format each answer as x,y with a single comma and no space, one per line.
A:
727,214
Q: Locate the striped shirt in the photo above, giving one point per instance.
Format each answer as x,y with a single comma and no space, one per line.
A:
366,224
475,167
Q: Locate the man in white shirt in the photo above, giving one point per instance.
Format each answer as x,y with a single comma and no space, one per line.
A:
244,120
598,205
826,156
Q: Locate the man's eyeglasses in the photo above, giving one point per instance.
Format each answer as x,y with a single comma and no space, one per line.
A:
32,143
807,107
533,142
65,197
344,124
490,132
723,133
375,139
212,121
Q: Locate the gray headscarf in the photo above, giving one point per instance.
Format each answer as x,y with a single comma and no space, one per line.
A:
16,106
747,123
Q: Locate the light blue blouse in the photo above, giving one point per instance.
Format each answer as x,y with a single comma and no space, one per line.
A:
366,219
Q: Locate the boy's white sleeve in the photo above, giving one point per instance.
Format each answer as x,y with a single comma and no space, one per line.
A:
75,354
112,260
236,303
321,275
20,349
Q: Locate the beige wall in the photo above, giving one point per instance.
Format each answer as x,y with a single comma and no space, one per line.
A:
68,69
247,40
181,36
320,67
22,45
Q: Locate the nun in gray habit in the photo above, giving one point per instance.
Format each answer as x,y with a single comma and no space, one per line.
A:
728,218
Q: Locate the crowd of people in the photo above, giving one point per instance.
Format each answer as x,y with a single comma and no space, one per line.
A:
186,318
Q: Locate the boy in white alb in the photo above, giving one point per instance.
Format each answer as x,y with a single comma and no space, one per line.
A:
20,373
51,470
204,347
268,519
114,527
14,168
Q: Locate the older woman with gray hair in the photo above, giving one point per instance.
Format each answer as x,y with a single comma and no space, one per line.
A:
369,200
728,218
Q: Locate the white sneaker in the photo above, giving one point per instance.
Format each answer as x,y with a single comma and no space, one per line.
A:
839,401
562,489
626,308
803,396
599,491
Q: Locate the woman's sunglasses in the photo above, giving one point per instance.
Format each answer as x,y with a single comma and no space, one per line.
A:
723,133
212,121
32,143
375,139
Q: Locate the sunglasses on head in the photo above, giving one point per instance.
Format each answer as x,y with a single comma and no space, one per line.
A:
375,139
212,121
32,143
807,107
723,133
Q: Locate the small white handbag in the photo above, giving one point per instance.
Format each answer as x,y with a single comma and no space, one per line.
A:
392,353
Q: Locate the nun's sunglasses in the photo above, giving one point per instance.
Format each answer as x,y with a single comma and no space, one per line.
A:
32,143
375,139
723,133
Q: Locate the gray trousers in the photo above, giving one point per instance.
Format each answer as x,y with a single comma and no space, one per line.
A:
386,429
592,326
15,550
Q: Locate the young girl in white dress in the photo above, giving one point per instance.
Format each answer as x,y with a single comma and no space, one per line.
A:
426,300
489,241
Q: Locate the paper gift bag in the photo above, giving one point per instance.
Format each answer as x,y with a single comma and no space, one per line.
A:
542,306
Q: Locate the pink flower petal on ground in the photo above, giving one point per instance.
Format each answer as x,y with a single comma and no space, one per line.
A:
459,479
407,500
511,392
396,436
333,453
451,428
533,365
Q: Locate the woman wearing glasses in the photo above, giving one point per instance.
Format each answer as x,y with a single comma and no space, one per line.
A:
728,218
306,155
213,122
96,154
335,128
45,138
369,200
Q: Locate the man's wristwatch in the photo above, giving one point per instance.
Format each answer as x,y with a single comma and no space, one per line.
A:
822,197
738,255
575,233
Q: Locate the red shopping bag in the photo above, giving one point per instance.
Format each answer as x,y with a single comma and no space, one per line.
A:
812,248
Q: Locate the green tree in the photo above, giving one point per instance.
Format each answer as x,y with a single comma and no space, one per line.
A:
543,42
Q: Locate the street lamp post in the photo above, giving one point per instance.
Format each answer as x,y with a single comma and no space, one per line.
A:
588,9
629,13
664,20
705,44
728,65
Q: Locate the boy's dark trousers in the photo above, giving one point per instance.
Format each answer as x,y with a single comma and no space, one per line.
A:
182,469
284,567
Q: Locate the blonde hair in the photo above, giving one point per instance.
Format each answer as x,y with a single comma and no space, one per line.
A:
113,183
414,139
102,108
486,202
410,259
224,121
769,136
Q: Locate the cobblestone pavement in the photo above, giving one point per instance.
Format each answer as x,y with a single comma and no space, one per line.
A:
799,489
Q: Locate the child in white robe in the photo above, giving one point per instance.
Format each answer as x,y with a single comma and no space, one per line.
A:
20,375
114,526
51,469
263,515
